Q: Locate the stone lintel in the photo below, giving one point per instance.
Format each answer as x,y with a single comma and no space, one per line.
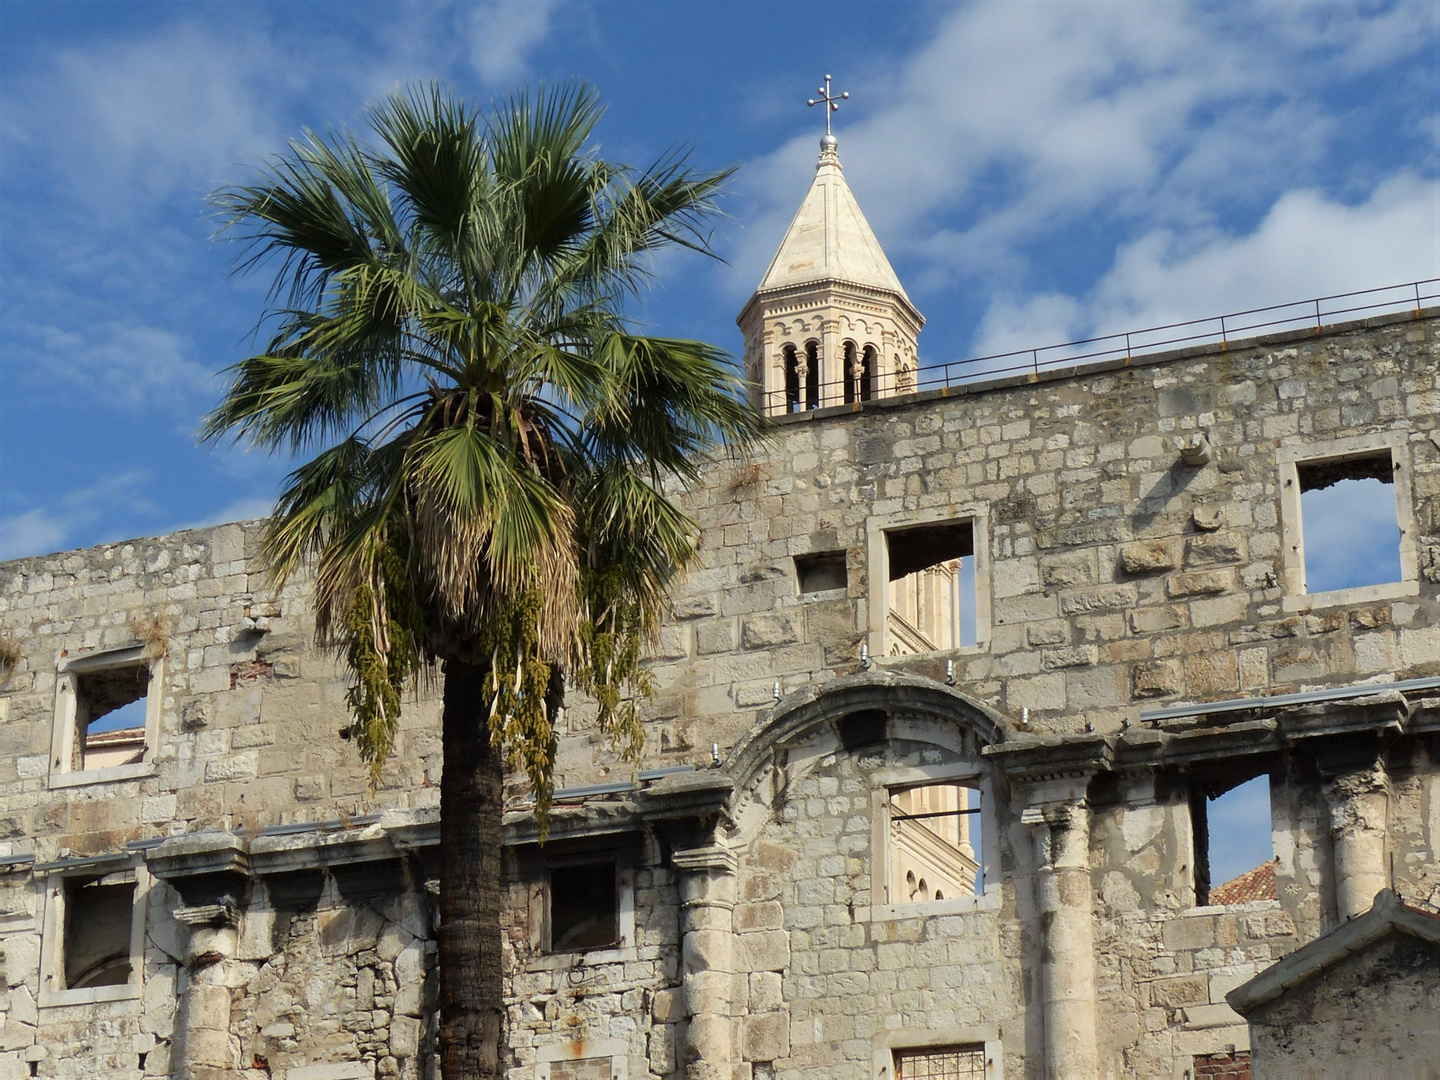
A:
199,854
285,854
1384,713
1048,758
699,794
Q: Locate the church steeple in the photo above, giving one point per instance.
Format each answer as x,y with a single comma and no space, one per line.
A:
830,323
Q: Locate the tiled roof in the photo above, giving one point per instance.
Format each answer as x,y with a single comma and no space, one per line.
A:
1257,884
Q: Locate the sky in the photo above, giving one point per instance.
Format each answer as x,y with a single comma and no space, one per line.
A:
1036,172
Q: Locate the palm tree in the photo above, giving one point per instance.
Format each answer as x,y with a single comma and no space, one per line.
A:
485,439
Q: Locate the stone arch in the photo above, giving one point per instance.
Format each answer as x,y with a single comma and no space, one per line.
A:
846,713
849,361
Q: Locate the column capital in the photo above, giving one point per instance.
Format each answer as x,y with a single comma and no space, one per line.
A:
711,857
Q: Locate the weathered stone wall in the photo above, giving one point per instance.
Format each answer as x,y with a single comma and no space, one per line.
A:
1117,579
1377,1012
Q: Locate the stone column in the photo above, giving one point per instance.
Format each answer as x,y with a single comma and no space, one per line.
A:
707,903
1359,812
203,1046
1067,961
832,364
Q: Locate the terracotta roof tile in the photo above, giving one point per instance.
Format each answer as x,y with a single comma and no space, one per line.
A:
1257,884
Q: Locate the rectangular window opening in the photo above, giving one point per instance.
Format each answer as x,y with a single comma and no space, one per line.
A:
110,709
584,907
932,588
1234,847
941,1063
935,843
98,919
1349,522
821,572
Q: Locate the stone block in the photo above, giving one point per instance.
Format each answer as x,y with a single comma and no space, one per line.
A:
1075,656
1181,990
762,631
1215,549
1148,557
1155,678
1154,620
1108,596
765,1037
1189,932
1201,583
405,1036
765,950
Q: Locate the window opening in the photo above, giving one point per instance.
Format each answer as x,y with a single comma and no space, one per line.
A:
934,843
812,375
1234,847
584,907
792,379
941,1063
110,709
1349,522
867,372
851,372
590,1068
821,572
98,919
932,588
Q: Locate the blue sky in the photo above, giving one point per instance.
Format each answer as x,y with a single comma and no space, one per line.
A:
1036,171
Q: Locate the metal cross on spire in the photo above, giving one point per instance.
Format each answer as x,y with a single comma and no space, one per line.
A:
831,101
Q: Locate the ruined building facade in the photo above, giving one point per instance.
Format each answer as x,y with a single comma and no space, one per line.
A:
894,821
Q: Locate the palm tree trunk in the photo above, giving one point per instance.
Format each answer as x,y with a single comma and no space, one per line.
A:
471,979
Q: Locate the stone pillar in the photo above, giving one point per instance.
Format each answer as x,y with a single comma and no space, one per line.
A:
1359,811
204,1050
1067,961
832,364
707,903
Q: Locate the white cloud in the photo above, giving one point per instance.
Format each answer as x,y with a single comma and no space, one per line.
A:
501,34
54,527
1016,122
249,508
1306,246
139,368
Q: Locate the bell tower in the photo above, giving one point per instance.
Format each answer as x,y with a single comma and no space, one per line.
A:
830,323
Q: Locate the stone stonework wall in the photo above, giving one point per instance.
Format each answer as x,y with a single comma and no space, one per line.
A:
288,908
1377,1012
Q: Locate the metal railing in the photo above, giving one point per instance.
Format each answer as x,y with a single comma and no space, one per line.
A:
1315,313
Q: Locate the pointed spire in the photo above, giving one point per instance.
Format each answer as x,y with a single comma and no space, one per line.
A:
829,239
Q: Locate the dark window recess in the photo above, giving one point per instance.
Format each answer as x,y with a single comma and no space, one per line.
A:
584,907
97,932
1234,850
110,715
932,600
1349,521
821,572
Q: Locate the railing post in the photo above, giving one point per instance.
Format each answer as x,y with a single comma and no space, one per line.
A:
1417,298
1128,353
1224,338
1035,361
1317,315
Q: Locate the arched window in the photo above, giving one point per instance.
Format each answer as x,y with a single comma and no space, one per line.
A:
792,379
812,375
867,372
850,372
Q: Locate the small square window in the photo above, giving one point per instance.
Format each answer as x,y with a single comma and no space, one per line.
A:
934,843
584,907
966,1062
98,914
932,588
1347,517
1234,845
110,716
106,718
821,572
93,938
